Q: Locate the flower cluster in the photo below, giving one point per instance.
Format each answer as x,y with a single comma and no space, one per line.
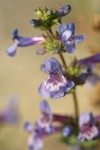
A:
43,127
62,80
88,130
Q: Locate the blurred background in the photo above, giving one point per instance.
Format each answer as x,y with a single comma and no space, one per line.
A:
20,76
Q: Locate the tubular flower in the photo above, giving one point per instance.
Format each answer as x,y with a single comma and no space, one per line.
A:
90,60
42,127
20,41
68,38
88,129
46,118
63,11
10,114
56,86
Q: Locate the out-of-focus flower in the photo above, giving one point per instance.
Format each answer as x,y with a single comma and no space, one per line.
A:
63,11
90,60
87,65
40,51
34,142
10,114
88,129
20,41
46,118
56,86
42,127
43,68
67,131
28,127
68,38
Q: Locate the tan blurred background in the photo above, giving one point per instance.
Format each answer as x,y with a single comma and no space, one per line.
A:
21,75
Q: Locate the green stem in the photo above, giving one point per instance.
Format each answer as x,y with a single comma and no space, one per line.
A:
63,61
48,34
51,32
75,105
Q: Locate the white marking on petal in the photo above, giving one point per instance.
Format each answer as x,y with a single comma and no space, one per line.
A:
67,34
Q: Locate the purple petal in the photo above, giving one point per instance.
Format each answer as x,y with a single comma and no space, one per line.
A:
78,38
86,118
27,41
28,127
43,68
62,28
70,47
15,34
43,91
90,133
50,129
90,60
52,65
63,11
56,86
44,107
93,79
11,51
80,138
11,113
59,90
67,131
57,94
71,27
30,41
66,35
35,143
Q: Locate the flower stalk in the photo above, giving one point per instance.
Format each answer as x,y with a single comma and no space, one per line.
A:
76,108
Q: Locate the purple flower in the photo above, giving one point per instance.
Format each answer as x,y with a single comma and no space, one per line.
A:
68,38
67,131
63,11
20,41
35,142
46,118
43,68
87,65
88,129
93,79
56,86
35,138
42,127
28,127
10,114
90,60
